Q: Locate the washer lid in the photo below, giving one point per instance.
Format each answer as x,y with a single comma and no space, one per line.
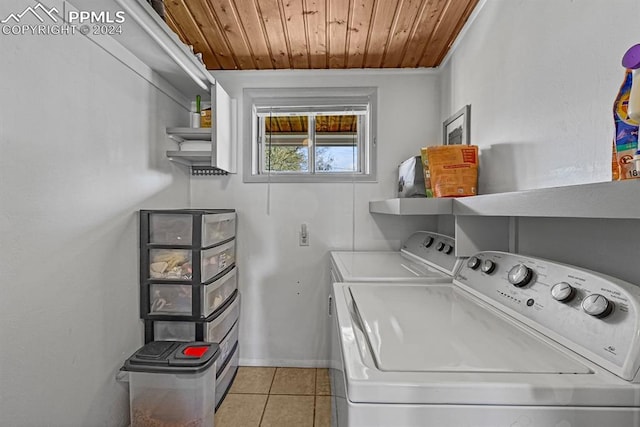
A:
382,266
440,328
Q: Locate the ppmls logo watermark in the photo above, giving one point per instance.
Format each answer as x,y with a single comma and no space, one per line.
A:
66,20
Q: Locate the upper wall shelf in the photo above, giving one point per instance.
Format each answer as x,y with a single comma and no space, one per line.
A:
189,134
611,200
413,206
149,38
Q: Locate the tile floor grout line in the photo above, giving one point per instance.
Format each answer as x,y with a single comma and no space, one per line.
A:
315,397
264,409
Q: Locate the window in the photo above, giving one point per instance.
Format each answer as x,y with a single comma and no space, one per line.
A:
298,137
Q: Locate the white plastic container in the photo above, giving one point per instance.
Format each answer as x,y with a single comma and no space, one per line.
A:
173,384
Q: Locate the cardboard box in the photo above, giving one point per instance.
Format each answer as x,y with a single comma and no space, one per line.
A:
453,170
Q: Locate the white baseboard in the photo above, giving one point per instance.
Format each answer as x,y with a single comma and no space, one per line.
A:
285,363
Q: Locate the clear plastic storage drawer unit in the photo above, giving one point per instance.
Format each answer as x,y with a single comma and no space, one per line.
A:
177,299
173,384
199,228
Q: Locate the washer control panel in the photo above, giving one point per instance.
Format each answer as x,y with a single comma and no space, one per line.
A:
593,314
434,249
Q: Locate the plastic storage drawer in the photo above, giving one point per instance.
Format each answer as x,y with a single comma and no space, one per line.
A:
218,259
227,344
210,330
199,228
177,264
177,299
224,380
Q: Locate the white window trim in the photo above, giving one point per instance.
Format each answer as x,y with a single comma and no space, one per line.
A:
255,99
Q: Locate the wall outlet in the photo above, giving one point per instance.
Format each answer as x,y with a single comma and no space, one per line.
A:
304,235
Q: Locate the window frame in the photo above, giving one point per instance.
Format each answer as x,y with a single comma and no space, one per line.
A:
314,101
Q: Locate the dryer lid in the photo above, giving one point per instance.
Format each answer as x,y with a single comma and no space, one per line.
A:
383,266
440,328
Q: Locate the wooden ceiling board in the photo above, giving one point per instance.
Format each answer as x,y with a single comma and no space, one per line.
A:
232,31
252,26
315,16
296,32
302,34
190,29
361,15
406,20
269,11
426,23
456,12
381,27
338,17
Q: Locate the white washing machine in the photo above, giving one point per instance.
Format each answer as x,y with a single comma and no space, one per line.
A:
513,341
425,258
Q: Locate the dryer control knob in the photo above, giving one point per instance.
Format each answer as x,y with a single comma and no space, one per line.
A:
448,249
597,305
428,241
520,275
562,292
440,246
488,266
473,263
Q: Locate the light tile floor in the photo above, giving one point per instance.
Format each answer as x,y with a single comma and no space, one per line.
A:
277,397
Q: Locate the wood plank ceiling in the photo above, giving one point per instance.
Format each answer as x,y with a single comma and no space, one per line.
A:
304,34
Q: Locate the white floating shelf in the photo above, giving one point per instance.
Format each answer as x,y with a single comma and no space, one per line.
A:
413,206
614,200
181,134
609,200
190,158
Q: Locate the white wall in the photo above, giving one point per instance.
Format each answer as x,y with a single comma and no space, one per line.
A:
81,150
541,77
284,286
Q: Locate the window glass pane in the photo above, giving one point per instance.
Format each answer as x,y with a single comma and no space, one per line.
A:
286,144
336,148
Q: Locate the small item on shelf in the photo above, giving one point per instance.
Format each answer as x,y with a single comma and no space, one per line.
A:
454,170
425,171
205,118
626,134
158,6
411,178
195,117
631,61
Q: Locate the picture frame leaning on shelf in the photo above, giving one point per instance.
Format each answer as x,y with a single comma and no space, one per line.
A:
457,128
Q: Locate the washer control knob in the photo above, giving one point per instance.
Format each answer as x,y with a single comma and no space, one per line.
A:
428,241
440,246
448,249
488,266
597,305
562,292
473,263
520,275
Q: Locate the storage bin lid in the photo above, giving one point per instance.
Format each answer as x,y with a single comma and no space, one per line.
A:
173,357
